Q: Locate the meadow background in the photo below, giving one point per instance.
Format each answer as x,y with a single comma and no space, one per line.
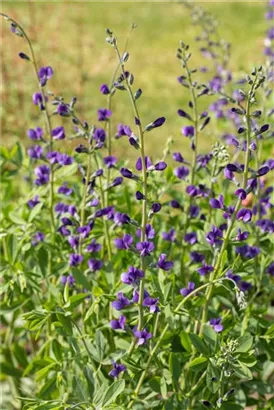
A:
70,36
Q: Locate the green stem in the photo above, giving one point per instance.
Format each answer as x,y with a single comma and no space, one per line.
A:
144,174
194,157
103,205
215,272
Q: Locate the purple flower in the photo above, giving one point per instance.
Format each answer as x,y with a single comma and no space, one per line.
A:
266,225
135,297
181,172
117,369
65,190
163,263
216,325
93,246
58,133
203,160
192,190
215,236
205,269
156,207
70,279
191,238
127,173
175,204
139,196
95,264
38,237
121,218
35,152
103,114
149,232
33,202
178,157
132,276
170,235
152,304
240,193
99,136
242,236
104,89
245,286
217,203
123,130
142,335
123,243
84,230
189,289
110,161
229,212
73,241
121,302
44,74
117,324
247,251
139,164
196,257
263,171
37,99
216,84
42,173
188,131
228,174
75,259
244,214
155,124
145,248
63,110
35,134
194,211
160,166
117,181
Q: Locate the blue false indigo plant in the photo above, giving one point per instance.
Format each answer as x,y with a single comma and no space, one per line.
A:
140,285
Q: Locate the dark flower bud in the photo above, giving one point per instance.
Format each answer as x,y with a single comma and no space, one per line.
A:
137,121
81,149
156,207
264,128
175,204
262,171
155,124
24,56
238,111
138,94
256,113
125,57
139,196
232,167
205,123
133,142
183,114
126,173
160,166
241,130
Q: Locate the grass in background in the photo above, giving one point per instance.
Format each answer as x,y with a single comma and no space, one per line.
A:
70,36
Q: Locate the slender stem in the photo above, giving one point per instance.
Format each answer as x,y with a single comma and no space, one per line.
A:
103,205
215,272
144,174
85,194
194,157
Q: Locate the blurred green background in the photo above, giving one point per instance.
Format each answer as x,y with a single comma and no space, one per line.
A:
70,36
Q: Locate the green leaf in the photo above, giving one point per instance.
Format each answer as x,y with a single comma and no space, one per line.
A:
35,211
210,337
113,392
154,384
199,344
174,366
80,278
242,371
212,378
247,360
163,387
244,344
100,344
198,364
90,380
186,342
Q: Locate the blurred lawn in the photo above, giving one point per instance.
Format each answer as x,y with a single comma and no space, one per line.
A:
70,36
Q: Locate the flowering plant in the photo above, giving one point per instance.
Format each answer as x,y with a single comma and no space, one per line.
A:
145,285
